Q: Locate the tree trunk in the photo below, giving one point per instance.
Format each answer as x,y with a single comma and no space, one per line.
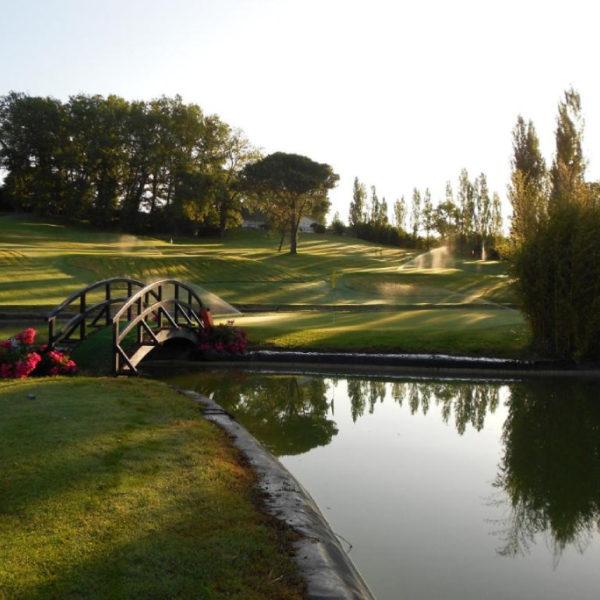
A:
293,234
222,219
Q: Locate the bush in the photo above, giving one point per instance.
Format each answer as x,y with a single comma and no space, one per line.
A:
223,339
558,283
20,358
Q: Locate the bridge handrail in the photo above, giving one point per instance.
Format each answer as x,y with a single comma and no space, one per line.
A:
84,310
139,300
75,295
141,294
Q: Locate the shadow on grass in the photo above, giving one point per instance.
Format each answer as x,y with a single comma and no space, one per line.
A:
119,489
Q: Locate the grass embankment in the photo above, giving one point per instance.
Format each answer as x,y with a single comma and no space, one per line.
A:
120,489
42,263
497,333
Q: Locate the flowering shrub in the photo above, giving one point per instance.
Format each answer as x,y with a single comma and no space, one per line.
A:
55,362
20,357
223,339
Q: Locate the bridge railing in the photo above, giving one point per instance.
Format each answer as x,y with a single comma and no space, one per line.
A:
90,310
165,304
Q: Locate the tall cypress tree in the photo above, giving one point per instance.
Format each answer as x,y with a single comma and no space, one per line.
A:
415,213
527,191
568,168
357,206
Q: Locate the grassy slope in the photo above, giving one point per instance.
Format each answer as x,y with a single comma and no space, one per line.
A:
462,332
42,263
119,489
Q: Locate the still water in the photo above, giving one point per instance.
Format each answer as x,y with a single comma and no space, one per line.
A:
440,489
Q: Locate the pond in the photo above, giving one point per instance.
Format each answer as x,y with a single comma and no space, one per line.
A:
449,489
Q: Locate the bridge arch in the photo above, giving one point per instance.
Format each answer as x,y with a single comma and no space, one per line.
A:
142,317
160,311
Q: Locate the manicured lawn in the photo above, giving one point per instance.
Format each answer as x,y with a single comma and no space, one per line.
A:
42,263
500,332
119,489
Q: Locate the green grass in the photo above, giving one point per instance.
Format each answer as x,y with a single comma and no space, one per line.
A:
500,332
119,489
42,263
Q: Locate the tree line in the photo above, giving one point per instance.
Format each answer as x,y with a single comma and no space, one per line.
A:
555,237
160,166
141,165
471,222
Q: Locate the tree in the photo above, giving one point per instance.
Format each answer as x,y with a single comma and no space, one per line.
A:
357,206
446,217
337,226
427,217
568,168
238,152
400,213
383,213
496,222
467,209
291,186
527,191
555,262
375,207
415,214
483,213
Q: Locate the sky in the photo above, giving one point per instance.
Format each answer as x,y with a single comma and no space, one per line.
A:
400,94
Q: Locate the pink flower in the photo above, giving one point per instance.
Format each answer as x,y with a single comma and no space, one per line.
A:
69,367
27,336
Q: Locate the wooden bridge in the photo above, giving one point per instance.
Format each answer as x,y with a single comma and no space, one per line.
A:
142,316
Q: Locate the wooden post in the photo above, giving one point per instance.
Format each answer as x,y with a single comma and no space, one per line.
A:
82,322
176,311
160,314
129,296
51,324
107,303
114,343
139,327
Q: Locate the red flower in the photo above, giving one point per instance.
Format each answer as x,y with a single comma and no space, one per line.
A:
6,371
27,336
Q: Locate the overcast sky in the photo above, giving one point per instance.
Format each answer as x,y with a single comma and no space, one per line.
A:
399,94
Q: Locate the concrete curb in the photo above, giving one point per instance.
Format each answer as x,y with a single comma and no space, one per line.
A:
326,568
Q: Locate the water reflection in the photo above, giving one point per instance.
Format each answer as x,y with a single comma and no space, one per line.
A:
550,466
548,476
288,414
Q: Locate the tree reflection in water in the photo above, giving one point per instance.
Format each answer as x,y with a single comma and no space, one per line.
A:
550,468
288,414
469,402
549,473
